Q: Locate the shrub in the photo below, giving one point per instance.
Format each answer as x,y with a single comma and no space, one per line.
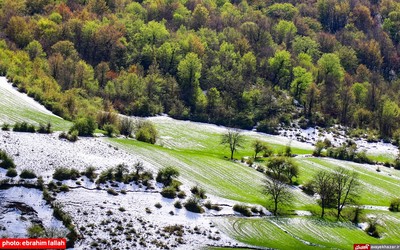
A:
168,192
6,161
126,126
372,228
112,192
165,175
268,152
111,130
106,175
5,127
158,205
24,127
11,172
146,132
193,205
106,118
90,172
199,192
242,209
36,231
181,194
394,205
64,188
209,205
45,129
27,174
178,204
72,136
84,126
269,126
64,173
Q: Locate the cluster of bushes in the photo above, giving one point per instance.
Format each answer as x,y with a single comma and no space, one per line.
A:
146,132
167,176
215,207
193,205
199,192
242,209
121,173
347,151
59,214
27,174
24,127
70,136
30,128
64,173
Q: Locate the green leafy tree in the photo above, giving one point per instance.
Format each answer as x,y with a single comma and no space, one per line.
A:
285,32
389,117
280,67
259,147
189,72
330,74
302,80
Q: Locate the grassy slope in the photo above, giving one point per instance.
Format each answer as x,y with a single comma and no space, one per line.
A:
196,151
14,107
377,188
270,232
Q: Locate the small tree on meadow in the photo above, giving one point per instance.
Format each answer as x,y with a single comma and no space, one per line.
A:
259,147
278,192
234,139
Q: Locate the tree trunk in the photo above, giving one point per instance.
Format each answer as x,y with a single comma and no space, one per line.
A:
276,208
232,154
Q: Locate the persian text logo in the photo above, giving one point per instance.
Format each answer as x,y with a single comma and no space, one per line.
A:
362,247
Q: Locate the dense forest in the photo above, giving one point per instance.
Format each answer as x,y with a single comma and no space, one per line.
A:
237,63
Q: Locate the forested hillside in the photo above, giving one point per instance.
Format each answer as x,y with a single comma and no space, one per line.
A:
237,63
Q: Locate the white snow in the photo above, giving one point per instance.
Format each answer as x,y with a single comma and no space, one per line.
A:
16,224
43,153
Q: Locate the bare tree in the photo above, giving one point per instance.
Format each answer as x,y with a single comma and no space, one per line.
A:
278,192
234,139
345,186
323,185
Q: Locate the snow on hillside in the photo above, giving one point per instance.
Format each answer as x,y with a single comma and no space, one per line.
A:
311,135
43,153
20,206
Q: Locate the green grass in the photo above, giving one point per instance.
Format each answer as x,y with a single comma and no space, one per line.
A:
205,138
292,233
15,108
383,158
377,188
195,150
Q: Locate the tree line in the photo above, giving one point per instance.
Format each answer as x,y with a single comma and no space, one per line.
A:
240,63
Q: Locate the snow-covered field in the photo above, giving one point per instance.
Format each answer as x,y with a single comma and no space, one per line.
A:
20,207
44,153
311,135
88,206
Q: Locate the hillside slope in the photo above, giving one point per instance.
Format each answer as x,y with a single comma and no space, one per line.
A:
18,107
